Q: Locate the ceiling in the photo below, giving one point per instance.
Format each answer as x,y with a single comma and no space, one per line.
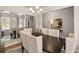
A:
48,8
25,9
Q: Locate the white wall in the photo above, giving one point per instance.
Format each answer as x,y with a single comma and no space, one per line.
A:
67,15
75,44
52,8
76,25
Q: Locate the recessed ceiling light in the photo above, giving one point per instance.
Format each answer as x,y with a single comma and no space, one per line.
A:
5,11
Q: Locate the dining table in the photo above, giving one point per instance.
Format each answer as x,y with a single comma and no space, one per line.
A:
51,44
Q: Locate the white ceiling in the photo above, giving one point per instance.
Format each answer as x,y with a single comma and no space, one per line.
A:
15,9
52,8
48,8
25,9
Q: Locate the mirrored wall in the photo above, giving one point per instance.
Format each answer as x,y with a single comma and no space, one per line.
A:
11,23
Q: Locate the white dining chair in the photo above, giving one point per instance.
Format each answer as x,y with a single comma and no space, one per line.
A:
24,40
54,32
28,30
45,31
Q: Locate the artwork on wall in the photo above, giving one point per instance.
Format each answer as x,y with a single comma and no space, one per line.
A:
56,23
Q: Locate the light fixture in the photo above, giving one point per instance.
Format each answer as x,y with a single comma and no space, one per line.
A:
41,9
30,9
3,11
36,9
33,11
6,11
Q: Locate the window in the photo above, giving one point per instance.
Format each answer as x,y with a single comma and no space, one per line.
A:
5,23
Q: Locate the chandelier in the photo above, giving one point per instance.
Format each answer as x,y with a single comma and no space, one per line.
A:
36,9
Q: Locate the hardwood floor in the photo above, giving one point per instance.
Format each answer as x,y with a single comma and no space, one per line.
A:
13,46
8,48
1,48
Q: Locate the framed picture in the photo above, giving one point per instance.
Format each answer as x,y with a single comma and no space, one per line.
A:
57,23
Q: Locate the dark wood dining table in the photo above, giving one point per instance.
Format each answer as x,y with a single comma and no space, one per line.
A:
51,44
